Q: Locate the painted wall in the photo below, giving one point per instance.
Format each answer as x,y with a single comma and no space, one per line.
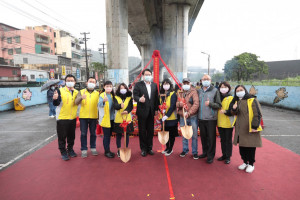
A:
279,96
29,96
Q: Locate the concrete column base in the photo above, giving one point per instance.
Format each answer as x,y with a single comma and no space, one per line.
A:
117,76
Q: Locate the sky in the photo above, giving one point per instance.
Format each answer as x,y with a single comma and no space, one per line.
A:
223,29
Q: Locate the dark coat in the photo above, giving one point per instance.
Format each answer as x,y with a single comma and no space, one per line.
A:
150,105
50,94
242,135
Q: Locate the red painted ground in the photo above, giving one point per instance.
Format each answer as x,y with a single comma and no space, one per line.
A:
43,175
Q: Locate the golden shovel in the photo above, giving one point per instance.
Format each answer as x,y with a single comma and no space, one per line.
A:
163,136
186,131
125,153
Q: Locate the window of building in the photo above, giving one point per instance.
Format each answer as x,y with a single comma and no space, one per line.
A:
17,39
14,72
50,41
50,30
10,51
32,76
51,51
18,50
11,62
25,60
73,44
9,40
54,34
55,44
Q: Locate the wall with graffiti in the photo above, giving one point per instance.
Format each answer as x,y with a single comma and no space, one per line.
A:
29,96
279,96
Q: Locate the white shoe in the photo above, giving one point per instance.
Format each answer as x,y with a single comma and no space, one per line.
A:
168,153
94,152
243,166
52,116
250,169
83,153
164,152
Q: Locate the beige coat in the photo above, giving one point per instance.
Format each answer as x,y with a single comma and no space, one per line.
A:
242,135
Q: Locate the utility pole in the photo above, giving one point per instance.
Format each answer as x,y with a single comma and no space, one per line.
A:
103,54
208,61
86,58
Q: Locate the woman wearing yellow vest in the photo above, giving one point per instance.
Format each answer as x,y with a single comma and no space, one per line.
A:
88,115
170,118
123,105
106,116
224,124
247,126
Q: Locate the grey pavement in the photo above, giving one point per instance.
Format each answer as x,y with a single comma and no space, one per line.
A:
23,132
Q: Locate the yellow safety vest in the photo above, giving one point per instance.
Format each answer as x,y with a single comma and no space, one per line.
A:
168,104
104,113
250,111
119,117
68,108
224,120
89,106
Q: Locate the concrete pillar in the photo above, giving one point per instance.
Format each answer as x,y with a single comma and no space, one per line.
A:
146,55
176,38
117,41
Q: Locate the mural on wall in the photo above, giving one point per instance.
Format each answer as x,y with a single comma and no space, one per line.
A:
281,95
252,90
26,95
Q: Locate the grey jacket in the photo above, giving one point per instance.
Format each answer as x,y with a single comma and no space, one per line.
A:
209,112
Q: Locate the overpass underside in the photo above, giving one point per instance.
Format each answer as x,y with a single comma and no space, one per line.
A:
152,24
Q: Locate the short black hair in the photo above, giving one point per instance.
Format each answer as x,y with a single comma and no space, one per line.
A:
147,70
225,83
92,78
70,75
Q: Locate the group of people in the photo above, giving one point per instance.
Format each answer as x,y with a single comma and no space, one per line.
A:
207,108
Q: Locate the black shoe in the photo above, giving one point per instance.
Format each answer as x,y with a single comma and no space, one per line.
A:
72,153
183,154
65,156
169,152
209,161
109,154
195,157
144,153
202,156
227,161
118,153
221,158
150,152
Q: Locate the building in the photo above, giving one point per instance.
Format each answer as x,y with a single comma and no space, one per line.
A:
282,69
34,40
9,73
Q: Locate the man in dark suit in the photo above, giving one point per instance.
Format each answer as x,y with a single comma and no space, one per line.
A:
145,93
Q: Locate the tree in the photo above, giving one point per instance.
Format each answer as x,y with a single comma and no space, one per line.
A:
99,67
218,77
245,66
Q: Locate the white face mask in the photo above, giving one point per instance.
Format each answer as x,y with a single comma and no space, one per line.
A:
224,90
186,87
91,85
241,94
108,89
123,91
206,83
148,78
166,87
70,84
52,88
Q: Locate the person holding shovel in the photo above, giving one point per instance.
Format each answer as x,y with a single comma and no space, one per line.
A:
210,103
106,116
189,102
88,115
123,105
169,97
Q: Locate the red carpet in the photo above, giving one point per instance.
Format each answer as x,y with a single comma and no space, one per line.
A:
43,175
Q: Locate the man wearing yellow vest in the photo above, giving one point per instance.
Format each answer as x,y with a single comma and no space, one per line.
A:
88,115
66,112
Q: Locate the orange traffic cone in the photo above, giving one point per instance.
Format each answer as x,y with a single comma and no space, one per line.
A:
77,122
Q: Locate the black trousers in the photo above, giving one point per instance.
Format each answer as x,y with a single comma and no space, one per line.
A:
208,137
173,132
226,141
146,131
107,132
65,131
248,154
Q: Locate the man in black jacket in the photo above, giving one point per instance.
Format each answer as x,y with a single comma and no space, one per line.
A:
145,93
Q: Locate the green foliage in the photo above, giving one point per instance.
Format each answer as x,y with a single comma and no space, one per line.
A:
295,81
218,77
99,67
245,66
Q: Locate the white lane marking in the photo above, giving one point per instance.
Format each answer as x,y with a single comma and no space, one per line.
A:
27,131
283,135
20,156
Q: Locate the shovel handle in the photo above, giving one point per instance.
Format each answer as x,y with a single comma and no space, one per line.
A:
184,117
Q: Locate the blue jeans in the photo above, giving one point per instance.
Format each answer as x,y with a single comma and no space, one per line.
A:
52,108
191,121
107,132
84,125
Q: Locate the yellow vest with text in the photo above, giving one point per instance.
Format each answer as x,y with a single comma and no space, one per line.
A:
104,113
68,108
119,117
168,104
223,120
250,111
89,106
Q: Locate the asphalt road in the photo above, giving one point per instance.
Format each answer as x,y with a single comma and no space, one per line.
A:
23,132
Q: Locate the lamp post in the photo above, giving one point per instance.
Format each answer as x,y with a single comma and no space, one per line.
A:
208,61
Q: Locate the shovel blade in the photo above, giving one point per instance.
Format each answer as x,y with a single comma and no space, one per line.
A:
187,132
125,154
163,137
